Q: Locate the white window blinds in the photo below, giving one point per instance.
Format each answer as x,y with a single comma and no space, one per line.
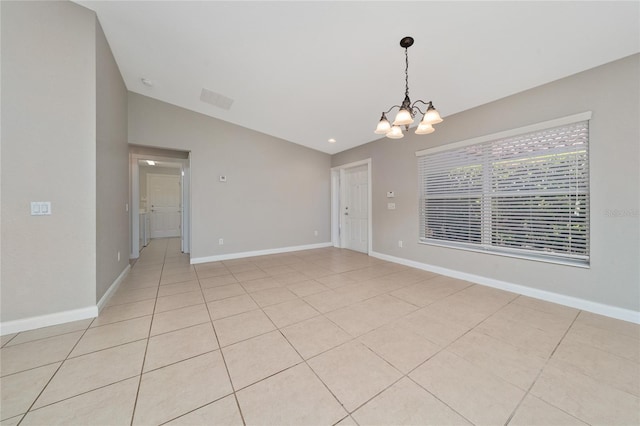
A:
525,195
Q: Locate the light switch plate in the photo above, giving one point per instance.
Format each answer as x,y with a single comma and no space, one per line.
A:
391,206
390,194
40,208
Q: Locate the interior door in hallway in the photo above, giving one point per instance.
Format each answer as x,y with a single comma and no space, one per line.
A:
163,195
355,209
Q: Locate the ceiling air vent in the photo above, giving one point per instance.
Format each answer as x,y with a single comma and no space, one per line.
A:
216,99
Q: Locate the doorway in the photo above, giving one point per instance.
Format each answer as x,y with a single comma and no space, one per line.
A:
351,225
160,200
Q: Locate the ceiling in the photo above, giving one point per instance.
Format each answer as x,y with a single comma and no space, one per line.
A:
310,71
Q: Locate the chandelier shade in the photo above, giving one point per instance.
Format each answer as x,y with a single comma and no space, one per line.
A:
403,118
432,116
407,110
424,129
395,133
384,126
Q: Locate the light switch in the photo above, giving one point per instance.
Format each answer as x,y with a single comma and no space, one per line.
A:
390,194
40,208
223,178
391,206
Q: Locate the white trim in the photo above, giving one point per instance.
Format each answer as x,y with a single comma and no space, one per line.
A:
573,302
219,257
335,208
31,323
354,164
509,133
112,288
185,226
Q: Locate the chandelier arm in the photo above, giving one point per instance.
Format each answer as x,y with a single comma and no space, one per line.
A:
428,104
391,109
419,110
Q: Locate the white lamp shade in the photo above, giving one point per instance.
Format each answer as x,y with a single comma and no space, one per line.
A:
424,129
403,118
432,116
383,127
395,133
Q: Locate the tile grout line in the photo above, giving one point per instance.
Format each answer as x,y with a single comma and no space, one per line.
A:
356,340
224,361
528,391
53,375
304,361
278,372
443,348
279,330
146,348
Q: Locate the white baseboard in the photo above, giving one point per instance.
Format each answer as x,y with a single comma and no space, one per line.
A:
16,326
112,288
573,302
219,257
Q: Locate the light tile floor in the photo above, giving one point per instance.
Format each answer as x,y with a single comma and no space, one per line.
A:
319,337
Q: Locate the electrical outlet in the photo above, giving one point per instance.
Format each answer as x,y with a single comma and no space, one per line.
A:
221,241
400,243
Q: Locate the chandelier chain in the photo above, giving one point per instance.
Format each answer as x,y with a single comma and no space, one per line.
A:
406,72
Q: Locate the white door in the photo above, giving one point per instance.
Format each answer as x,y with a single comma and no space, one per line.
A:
355,213
163,200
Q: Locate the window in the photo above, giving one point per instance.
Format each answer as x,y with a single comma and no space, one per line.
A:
523,192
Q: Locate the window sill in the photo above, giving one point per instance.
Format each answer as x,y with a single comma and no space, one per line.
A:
524,256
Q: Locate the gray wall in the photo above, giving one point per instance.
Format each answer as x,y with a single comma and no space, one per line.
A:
64,140
49,154
612,92
112,168
276,195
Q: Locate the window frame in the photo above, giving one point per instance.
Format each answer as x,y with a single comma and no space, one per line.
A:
486,227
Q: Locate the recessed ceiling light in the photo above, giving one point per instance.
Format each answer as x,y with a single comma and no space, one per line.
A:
332,140
146,82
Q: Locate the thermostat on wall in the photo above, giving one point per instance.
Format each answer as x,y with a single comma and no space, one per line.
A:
223,178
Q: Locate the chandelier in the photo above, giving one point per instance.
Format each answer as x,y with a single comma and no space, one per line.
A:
407,111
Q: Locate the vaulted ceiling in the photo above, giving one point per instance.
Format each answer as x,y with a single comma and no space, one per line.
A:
310,71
